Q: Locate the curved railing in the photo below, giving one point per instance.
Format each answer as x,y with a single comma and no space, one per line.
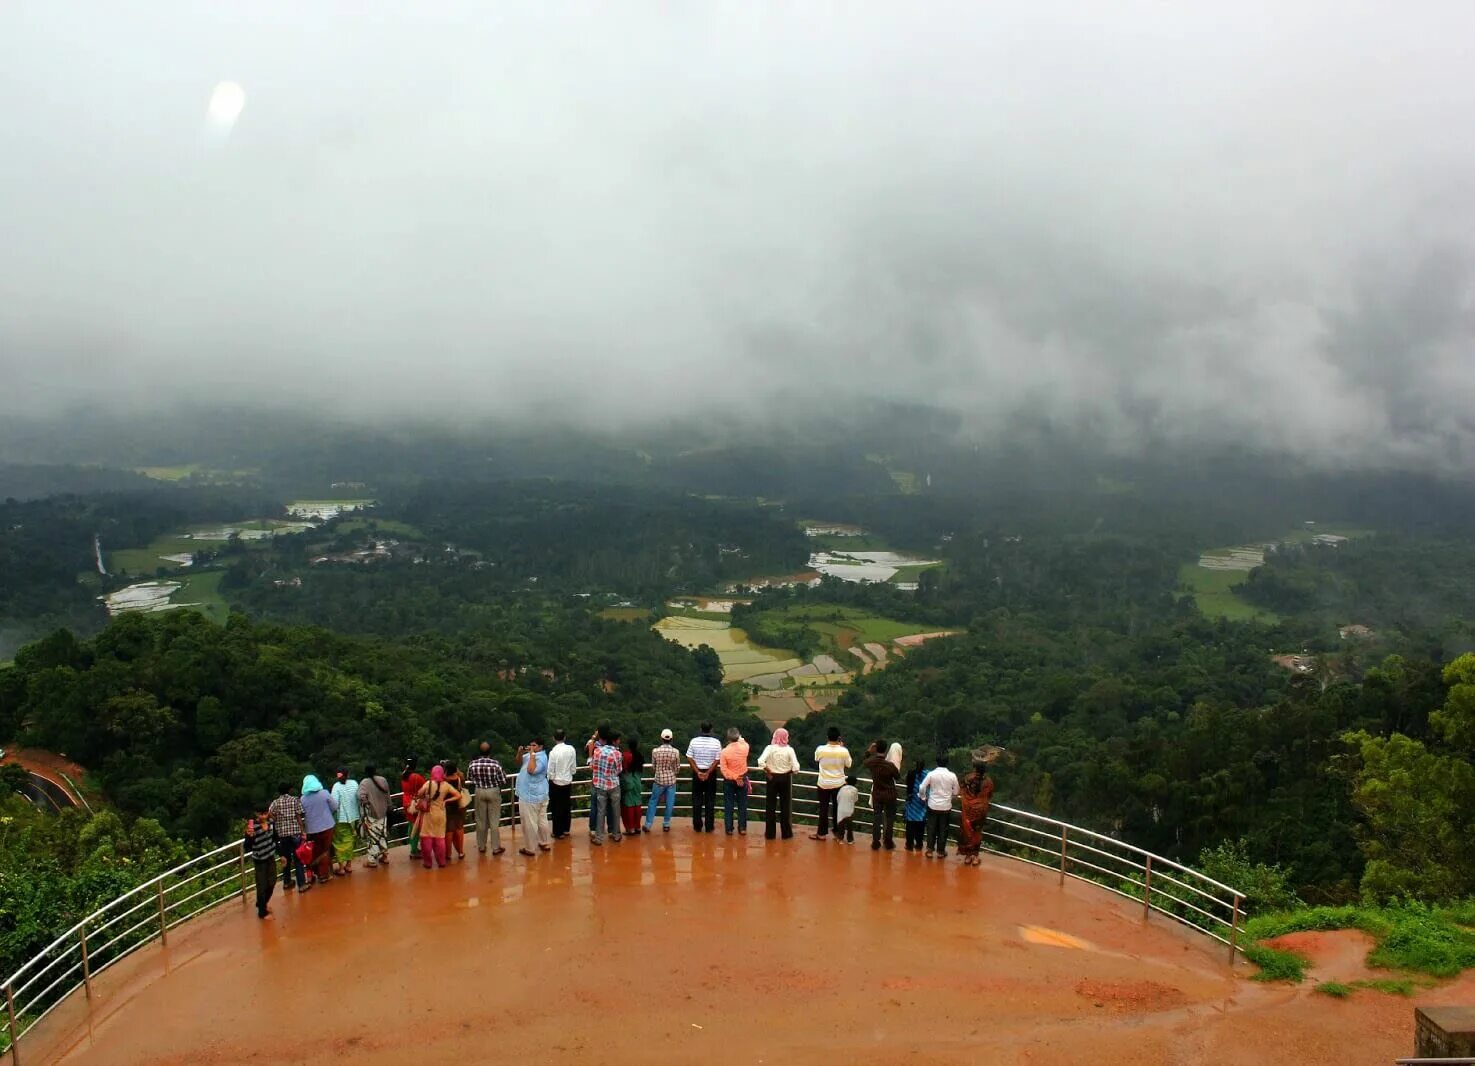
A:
147,913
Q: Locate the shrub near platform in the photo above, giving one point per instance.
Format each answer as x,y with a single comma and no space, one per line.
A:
1414,938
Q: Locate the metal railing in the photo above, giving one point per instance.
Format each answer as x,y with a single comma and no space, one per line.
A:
147,913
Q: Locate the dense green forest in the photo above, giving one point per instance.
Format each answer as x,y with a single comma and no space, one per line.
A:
192,723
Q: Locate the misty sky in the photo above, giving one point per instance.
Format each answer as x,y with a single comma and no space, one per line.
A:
1147,222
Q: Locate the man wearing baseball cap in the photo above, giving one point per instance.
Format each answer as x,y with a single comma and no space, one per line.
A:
665,760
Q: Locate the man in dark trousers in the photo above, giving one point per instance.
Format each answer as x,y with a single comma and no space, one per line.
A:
702,755
883,796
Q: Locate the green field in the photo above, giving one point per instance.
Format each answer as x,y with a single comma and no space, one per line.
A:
841,627
912,573
625,614
389,526
866,542
204,589
146,561
1303,536
1213,591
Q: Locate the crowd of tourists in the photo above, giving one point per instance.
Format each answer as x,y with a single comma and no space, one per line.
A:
313,834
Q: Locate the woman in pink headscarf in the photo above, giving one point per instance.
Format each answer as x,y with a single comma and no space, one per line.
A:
430,806
780,764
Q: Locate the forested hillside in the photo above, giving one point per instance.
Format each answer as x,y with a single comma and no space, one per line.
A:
192,723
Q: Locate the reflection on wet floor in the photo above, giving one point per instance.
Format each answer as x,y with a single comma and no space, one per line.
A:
880,939
1036,934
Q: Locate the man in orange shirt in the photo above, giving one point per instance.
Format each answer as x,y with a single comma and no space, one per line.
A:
734,763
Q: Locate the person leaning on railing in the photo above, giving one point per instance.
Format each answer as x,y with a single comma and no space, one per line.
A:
779,763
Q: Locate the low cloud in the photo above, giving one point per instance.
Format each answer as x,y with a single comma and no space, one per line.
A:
1149,224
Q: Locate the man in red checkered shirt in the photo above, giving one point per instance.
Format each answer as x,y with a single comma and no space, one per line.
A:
605,763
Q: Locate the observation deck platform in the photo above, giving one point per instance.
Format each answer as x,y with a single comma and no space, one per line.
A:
681,947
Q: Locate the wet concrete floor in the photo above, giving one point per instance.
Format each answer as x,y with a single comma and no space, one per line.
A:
670,947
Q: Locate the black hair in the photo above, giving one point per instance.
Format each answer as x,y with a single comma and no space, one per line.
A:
881,745
850,779
369,770
706,727
283,789
409,768
834,733
942,760
450,765
558,735
639,756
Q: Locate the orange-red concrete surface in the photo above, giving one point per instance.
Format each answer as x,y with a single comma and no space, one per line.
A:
674,947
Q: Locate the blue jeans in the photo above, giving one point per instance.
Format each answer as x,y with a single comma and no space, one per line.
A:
735,794
656,792
606,803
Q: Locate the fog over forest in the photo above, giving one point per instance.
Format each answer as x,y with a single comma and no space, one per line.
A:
1142,223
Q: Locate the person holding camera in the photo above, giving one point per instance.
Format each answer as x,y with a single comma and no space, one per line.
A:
532,797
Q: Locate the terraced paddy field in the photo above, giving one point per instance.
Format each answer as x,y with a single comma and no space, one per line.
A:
741,658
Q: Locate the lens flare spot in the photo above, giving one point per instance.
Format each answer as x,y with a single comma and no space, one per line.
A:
226,104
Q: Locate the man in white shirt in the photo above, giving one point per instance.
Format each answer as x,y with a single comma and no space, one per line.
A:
562,762
702,755
833,760
939,788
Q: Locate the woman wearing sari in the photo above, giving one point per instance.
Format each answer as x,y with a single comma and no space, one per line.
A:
976,792
431,803
411,781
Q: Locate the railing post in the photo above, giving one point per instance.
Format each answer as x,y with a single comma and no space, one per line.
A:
163,923
86,966
1234,929
244,898
1147,888
1063,841
14,1032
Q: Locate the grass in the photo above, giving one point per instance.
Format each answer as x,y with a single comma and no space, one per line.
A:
381,525
147,561
1335,989
841,627
914,571
203,590
1276,965
1434,941
1303,536
1399,987
626,614
866,542
1213,591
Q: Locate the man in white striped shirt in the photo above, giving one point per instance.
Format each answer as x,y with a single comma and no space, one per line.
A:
833,760
702,754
